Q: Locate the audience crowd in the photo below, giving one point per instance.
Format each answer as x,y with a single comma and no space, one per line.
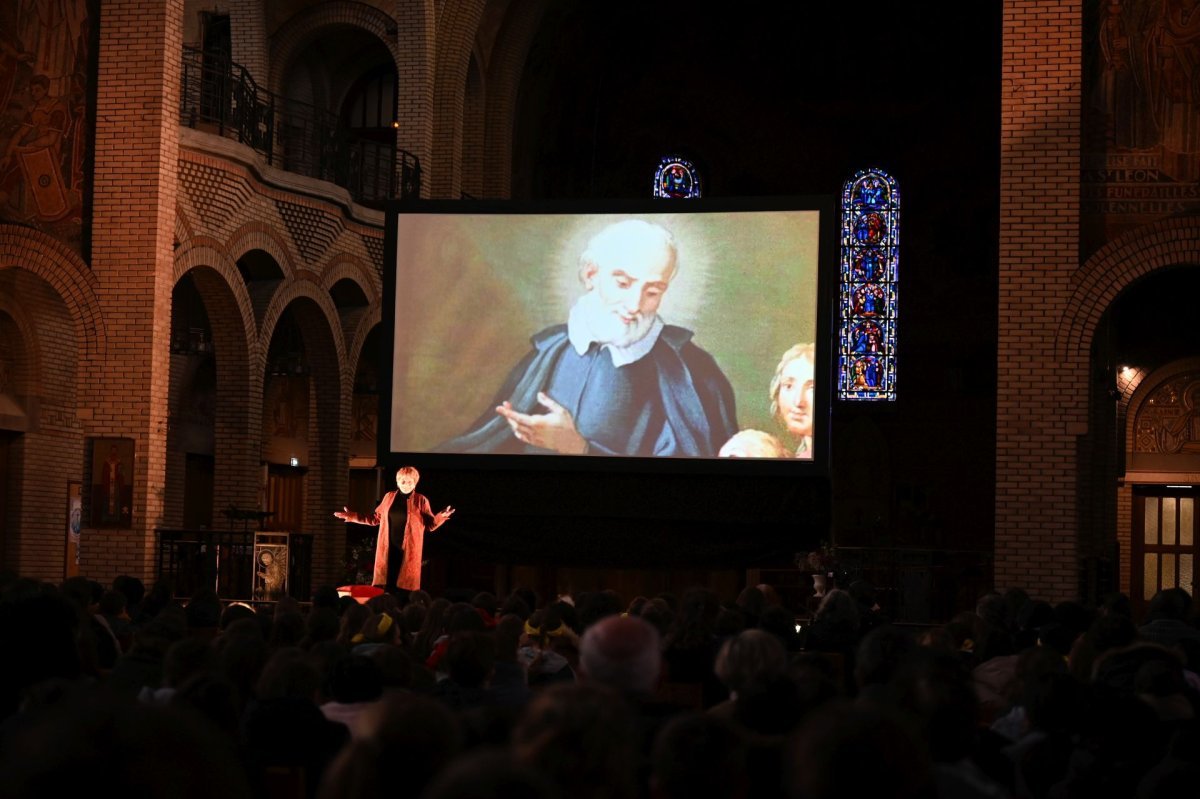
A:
130,691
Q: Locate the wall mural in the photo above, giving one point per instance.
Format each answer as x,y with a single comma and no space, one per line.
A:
1141,111
45,122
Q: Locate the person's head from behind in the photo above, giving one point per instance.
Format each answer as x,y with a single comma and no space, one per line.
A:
791,390
118,744
407,741
626,269
1170,603
470,657
355,678
379,628
845,750
838,608
406,479
487,772
750,656
622,652
113,604
578,736
753,444
698,754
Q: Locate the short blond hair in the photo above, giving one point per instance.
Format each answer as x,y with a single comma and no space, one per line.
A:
408,471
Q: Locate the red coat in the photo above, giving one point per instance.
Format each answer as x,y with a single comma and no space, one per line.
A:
420,521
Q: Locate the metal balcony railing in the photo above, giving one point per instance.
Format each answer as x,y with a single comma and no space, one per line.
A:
220,95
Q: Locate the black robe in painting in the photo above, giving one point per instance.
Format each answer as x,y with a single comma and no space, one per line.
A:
673,401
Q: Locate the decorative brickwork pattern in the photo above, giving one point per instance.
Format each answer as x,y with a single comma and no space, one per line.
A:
214,193
312,231
374,248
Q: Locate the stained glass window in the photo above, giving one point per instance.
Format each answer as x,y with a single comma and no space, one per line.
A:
676,178
870,257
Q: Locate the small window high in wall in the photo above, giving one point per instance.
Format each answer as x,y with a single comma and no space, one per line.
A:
676,179
868,300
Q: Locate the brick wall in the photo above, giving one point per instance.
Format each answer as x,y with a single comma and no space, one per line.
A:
503,79
1042,394
455,37
137,141
473,131
416,44
248,25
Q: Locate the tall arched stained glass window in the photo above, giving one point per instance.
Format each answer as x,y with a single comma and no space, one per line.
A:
676,178
870,258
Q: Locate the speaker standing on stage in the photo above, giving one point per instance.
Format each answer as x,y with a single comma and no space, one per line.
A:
403,517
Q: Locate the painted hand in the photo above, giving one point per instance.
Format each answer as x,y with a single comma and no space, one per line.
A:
553,430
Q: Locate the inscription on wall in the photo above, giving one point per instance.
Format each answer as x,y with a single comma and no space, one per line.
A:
1141,114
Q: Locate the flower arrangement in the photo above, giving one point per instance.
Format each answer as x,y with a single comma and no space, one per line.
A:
823,559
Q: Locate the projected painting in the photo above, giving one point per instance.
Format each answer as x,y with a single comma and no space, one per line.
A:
685,334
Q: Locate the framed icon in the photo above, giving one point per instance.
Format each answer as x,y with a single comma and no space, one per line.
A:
112,483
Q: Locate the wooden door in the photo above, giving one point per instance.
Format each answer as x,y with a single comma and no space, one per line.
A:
1164,541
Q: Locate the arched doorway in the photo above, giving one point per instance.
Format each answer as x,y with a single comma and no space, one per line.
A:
41,442
1152,371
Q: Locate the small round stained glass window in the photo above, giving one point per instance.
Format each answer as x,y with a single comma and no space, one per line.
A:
676,179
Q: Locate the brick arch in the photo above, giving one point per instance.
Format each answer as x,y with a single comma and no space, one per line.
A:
260,236
301,29
457,28
412,48
16,311
236,418
184,229
366,324
503,81
351,268
1114,267
62,268
328,433
289,293
209,254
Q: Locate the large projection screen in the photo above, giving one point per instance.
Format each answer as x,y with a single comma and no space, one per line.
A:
689,331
